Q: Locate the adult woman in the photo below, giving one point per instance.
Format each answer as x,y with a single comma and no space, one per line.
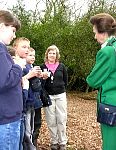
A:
55,85
103,75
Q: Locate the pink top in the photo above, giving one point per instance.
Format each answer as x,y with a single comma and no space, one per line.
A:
52,67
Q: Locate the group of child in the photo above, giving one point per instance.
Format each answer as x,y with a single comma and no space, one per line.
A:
31,119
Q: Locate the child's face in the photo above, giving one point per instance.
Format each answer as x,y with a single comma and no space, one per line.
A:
7,33
22,48
30,59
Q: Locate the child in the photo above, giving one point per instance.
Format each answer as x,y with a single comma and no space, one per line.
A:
22,46
36,121
29,119
11,102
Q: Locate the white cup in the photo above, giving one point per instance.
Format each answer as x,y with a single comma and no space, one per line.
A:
45,70
48,72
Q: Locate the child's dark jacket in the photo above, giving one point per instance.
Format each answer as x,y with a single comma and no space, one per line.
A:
33,97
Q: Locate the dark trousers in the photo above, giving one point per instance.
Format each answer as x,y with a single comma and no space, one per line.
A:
37,124
22,129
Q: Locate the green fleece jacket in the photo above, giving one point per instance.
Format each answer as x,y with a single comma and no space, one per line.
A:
103,74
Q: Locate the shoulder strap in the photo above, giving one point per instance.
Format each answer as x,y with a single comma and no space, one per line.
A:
100,93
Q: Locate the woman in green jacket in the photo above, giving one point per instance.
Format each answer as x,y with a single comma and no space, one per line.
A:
103,74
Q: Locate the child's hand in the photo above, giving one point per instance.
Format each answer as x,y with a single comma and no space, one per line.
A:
25,83
39,71
34,72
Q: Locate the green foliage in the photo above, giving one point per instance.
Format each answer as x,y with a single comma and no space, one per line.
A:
74,39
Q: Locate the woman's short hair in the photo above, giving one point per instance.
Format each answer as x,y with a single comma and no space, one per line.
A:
52,47
104,23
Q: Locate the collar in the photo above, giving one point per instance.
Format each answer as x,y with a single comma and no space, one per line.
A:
106,42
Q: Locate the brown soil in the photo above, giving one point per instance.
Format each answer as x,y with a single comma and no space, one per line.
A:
82,129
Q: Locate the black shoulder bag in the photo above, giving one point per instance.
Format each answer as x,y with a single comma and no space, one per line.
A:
106,113
45,98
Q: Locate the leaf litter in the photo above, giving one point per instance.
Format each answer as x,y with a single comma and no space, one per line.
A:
83,131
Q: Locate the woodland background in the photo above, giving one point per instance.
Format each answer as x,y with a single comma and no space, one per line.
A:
60,24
